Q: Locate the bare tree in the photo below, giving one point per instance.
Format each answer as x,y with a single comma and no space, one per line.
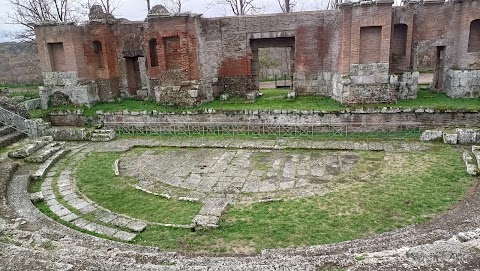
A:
109,6
29,12
174,6
286,5
239,7
332,4
148,5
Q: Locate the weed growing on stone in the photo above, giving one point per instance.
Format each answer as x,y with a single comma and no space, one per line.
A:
34,186
48,245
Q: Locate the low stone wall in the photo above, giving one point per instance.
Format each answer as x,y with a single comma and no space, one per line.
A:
371,83
70,134
33,104
463,83
373,118
67,83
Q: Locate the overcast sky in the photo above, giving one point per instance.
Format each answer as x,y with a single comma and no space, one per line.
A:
136,10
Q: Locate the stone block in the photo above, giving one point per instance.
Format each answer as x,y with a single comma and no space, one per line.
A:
251,96
124,236
291,94
476,153
224,97
472,167
468,136
451,139
193,93
36,197
431,135
393,79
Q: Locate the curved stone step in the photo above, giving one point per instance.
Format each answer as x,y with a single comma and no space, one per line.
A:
68,216
67,191
11,138
5,130
40,173
46,152
29,148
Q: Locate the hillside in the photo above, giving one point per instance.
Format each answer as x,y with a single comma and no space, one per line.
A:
19,64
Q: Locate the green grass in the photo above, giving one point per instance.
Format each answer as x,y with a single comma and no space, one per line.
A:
38,113
18,86
384,191
96,179
34,186
275,99
29,95
410,135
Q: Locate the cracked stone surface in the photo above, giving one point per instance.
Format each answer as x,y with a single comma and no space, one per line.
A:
246,176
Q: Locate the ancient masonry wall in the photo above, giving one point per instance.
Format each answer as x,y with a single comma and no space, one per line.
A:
360,119
365,52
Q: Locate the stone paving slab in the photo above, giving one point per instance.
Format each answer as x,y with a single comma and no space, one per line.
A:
69,217
104,230
206,221
202,172
124,236
214,207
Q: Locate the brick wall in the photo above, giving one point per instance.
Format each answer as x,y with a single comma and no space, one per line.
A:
370,44
474,37
217,53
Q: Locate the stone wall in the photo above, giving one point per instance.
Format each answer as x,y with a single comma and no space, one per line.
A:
362,119
366,42
348,93
463,83
33,104
407,85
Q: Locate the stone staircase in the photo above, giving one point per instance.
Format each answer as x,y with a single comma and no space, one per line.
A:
62,196
9,135
41,151
72,207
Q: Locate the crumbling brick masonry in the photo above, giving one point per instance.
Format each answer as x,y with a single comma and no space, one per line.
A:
363,52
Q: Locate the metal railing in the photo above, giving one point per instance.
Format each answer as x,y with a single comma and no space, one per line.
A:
326,130
16,121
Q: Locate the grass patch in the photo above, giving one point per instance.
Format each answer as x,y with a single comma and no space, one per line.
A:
275,99
28,95
38,113
383,192
96,179
410,135
35,186
18,86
